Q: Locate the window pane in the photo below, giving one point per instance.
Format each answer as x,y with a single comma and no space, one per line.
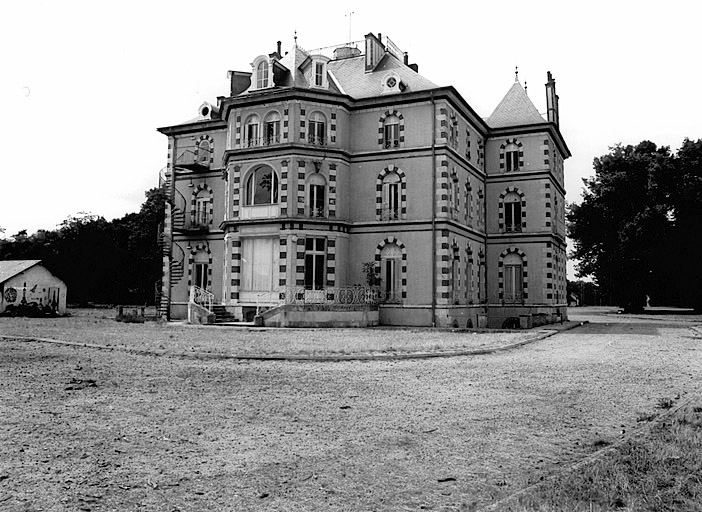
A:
319,242
319,271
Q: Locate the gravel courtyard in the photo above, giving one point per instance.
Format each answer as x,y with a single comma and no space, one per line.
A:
87,429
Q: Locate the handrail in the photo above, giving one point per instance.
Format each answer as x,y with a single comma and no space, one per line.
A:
201,297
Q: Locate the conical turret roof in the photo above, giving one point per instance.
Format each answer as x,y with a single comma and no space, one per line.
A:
515,109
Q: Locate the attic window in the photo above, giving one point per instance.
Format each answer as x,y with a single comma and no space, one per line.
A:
262,75
319,74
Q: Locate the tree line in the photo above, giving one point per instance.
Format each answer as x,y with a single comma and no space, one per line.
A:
116,262
638,230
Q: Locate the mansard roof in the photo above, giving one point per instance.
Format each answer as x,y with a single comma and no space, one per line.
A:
515,109
351,77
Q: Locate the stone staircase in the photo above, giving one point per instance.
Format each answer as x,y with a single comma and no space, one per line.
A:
222,315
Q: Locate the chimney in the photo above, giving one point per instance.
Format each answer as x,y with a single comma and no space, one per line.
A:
551,99
374,51
406,59
279,50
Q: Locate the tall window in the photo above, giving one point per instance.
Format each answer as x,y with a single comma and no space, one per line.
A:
391,197
200,269
469,204
271,129
317,132
259,264
513,280
262,187
203,152
512,157
262,75
319,74
469,277
390,272
202,206
316,201
252,131
453,196
315,252
391,132
513,213
455,277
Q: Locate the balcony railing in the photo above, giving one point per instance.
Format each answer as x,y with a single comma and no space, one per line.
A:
513,228
262,141
391,143
390,214
317,212
316,140
342,295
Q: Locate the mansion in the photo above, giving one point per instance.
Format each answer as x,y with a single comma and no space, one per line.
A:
328,175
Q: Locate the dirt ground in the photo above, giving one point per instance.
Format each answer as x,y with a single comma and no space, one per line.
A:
87,429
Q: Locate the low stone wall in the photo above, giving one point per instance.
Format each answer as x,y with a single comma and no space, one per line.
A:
320,315
199,315
525,317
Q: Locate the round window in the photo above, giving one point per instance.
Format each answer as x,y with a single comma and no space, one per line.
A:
391,82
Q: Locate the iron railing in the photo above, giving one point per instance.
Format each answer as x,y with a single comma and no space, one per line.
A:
346,295
201,297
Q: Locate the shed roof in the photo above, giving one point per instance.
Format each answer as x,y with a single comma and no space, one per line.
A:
10,268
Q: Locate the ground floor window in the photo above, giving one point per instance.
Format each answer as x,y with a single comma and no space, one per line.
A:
390,272
513,280
259,264
315,264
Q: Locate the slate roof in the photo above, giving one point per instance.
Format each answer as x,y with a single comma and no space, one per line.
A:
10,268
351,76
515,109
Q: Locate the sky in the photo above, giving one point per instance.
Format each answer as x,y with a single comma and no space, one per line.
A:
84,84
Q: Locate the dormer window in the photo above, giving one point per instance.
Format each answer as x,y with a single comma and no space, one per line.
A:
262,75
319,74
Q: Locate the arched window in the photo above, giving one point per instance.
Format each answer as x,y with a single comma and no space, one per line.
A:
271,129
317,132
252,137
390,272
391,197
262,75
513,212
512,157
203,152
262,187
319,74
391,132
316,195
513,280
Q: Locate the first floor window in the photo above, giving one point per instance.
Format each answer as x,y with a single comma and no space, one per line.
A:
315,264
259,264
512,157
391,197
513,212
202,210
262,187
391,132
316,195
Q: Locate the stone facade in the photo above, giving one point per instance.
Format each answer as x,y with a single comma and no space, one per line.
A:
313,166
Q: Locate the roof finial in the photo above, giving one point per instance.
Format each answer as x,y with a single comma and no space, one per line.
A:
516,73
525,86
296,38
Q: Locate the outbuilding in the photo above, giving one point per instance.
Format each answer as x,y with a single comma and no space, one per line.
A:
26,287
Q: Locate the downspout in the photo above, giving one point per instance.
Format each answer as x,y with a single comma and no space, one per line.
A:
433,210
485,232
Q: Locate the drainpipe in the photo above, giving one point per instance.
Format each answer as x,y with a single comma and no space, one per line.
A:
485,233
433,210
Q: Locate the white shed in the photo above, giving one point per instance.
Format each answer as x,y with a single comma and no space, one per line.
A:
27,285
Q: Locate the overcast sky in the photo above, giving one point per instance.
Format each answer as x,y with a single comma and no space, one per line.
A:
85,84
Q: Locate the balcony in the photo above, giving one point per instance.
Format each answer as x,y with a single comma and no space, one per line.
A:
391,143
262,141
390,214
513,228
317,212
259,211
192,159
317,141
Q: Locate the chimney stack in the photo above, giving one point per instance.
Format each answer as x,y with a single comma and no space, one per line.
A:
279,50
551,99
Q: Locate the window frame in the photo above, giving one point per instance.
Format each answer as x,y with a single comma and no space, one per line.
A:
512,212
252,186
315,263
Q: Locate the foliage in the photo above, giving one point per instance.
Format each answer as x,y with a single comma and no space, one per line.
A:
586,293
636,222
371,270
115,262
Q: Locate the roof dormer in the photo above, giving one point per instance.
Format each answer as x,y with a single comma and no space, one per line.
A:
317,72
262,73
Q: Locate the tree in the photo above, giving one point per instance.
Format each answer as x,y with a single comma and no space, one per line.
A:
618,228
